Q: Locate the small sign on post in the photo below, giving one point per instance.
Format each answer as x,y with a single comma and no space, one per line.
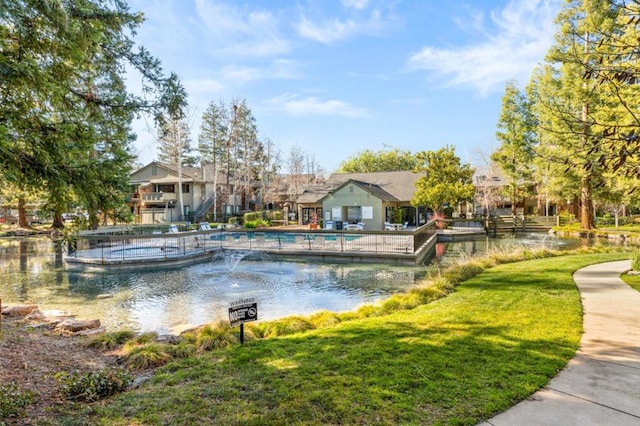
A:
241,311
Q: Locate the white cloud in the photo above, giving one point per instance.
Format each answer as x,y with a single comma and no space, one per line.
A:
294,105
205,85
239,74
283,69
355,4
330,31
237,31
523,33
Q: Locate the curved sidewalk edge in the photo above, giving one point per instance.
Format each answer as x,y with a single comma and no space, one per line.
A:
601,384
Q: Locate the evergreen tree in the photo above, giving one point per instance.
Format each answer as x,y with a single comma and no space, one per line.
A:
517,134
249,152
616,74
229,140
568,104
65,113
216,132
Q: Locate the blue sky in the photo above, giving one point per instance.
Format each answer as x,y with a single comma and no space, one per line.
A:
335,77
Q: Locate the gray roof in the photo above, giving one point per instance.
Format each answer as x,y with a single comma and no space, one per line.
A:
186,170
388,186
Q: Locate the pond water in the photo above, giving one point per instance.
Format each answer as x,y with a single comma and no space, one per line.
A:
455,251
169,301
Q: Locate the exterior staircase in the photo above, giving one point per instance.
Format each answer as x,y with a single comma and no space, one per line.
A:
204,208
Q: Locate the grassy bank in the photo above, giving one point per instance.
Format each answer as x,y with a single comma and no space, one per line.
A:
458,360
632,280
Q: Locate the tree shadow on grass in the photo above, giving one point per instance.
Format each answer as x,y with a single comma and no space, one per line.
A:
390,372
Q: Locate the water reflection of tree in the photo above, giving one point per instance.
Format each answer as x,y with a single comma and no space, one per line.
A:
24,255
26,263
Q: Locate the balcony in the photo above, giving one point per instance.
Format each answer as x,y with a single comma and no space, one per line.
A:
158,197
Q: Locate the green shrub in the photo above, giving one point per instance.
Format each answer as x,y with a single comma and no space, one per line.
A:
91,386
274,214
181,350
252,224
635,260
399,302
110,341
463,271
286,326
367,311
13,401
142,339
428,294
254,330
216,336
189,336
324,319
149,355
252,217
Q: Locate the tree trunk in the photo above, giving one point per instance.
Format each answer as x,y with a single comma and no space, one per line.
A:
180,200
22,214
58,223
586,210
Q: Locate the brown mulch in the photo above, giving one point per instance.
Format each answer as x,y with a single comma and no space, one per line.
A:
30,357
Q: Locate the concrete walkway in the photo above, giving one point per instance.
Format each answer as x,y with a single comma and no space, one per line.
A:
601,384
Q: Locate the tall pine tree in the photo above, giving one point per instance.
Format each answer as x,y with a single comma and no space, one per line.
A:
568,104
517,134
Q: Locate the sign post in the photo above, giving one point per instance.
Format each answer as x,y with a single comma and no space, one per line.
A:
241,311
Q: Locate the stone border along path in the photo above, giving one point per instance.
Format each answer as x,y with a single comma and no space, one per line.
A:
601,384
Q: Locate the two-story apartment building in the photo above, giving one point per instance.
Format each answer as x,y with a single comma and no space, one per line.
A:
154,196
154,193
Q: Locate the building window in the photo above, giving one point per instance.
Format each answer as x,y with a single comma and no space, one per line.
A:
185,188
165,188
154,171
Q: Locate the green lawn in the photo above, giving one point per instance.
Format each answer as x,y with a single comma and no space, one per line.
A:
457,361
632,280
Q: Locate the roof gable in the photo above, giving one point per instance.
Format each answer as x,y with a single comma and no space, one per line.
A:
400,185
374,190
163,171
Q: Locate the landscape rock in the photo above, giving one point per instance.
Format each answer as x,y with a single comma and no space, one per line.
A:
91,332
18,310
104,296
35,315
70,325
169,338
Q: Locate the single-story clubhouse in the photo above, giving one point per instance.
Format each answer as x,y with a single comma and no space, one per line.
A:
371,199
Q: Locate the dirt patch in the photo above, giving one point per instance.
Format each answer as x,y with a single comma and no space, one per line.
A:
31,356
